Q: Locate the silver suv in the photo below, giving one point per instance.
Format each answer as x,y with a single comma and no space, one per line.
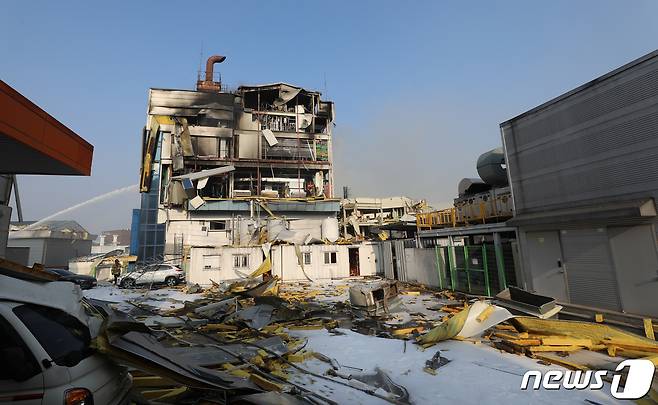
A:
154,274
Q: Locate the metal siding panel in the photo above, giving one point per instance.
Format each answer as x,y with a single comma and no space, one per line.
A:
590,272
596,144
387,255
399,260
636,264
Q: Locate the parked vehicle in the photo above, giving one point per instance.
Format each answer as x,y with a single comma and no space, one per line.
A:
47,359
85,282
154,274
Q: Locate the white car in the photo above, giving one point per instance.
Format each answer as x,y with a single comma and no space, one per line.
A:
154,274
46,359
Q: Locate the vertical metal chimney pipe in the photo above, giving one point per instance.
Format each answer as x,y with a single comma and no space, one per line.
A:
210,65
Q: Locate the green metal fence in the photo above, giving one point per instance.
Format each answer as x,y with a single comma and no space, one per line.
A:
476,269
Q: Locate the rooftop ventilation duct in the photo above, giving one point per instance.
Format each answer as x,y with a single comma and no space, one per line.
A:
209,84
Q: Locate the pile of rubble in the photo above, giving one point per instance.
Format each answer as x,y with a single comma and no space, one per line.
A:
261,341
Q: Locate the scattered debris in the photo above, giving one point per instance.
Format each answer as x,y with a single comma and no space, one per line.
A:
523,302
435,363
374,298
237,341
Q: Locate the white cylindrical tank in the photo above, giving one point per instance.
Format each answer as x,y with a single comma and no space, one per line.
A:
274,227
330,229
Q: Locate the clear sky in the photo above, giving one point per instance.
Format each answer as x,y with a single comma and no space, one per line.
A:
420,87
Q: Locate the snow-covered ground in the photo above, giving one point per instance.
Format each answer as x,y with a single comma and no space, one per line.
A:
476,374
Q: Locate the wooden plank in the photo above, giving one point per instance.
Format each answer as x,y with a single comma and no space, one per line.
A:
16,270
486,313
525,342
566,341
638,347
554,348
152,394
152,381
509,336
560,361
648,328
406,331
265,383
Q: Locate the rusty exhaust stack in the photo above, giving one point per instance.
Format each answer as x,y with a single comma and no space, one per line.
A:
209,84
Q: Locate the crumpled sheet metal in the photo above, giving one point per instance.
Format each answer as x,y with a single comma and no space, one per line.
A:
473,327
267,287
263,268
256,316
156,321
210,356
64,296
466,324
375,382
145,352
270,398
217,310
127,341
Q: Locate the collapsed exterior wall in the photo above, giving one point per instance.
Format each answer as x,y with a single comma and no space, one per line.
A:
364,217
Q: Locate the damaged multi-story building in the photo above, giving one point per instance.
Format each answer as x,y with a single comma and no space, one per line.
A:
220,166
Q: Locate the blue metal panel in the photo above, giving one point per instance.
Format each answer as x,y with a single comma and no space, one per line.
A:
134,232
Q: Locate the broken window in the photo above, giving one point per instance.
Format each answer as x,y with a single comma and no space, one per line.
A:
289,149
64,338
321,151
224,148
166,174
240,261
329,257
217,225
216,187
307,258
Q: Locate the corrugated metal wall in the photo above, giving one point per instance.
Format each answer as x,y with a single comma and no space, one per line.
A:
400,262
387,257
597,144
590,273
